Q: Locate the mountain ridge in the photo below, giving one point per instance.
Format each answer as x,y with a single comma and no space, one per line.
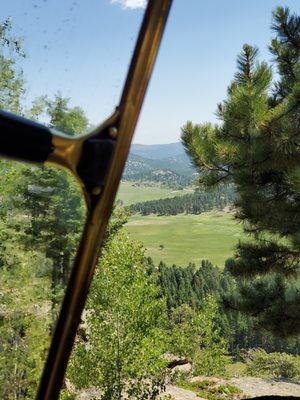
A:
158,151
164,163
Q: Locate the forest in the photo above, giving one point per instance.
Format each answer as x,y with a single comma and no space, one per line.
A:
142,319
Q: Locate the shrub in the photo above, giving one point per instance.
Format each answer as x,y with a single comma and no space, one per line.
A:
276,365
67,395
211,390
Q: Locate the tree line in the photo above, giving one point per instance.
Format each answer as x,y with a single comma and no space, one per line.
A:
193,203
192,284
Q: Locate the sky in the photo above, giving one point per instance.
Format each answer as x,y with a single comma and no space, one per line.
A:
82,48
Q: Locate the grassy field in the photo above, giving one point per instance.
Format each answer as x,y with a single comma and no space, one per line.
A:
130,193
183,238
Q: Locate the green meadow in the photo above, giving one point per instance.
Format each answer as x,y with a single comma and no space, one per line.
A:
182,239
131,192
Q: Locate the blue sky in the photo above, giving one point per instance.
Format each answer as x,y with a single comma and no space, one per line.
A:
83,49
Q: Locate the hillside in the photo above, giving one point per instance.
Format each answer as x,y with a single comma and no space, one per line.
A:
167,164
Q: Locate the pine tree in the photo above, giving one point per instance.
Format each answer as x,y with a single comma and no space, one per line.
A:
257,148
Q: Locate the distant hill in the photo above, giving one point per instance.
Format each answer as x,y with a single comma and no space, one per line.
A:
139,169
151,162
158,151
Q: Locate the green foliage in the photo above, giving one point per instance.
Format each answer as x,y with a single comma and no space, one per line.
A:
117,220
191,285
197,337
45,210
211,390
123,346
66,395
256,148
24,321
211,356
40,221
235,369
11,76
24,280
48,210
272,365
70,121
184,331
41,212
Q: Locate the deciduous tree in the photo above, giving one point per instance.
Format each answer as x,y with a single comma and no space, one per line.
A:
11,75
123,341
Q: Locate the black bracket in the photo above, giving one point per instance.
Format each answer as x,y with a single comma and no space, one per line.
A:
95,159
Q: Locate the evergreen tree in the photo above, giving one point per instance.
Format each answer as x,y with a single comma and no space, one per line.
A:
257,148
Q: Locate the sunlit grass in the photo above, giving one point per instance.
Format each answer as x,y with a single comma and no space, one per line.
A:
130,192
236,369
182,239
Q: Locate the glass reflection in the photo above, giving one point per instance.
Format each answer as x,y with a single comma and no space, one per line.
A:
69,49
63,64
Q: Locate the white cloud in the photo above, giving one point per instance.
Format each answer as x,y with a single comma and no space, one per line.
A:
132,4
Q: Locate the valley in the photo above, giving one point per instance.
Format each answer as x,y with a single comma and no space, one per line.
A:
174,239
181,239
136,192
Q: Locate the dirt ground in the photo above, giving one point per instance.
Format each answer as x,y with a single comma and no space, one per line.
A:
266,387
250,387
180,394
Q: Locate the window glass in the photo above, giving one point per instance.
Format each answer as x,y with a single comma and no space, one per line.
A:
78,51
62,63
207,190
